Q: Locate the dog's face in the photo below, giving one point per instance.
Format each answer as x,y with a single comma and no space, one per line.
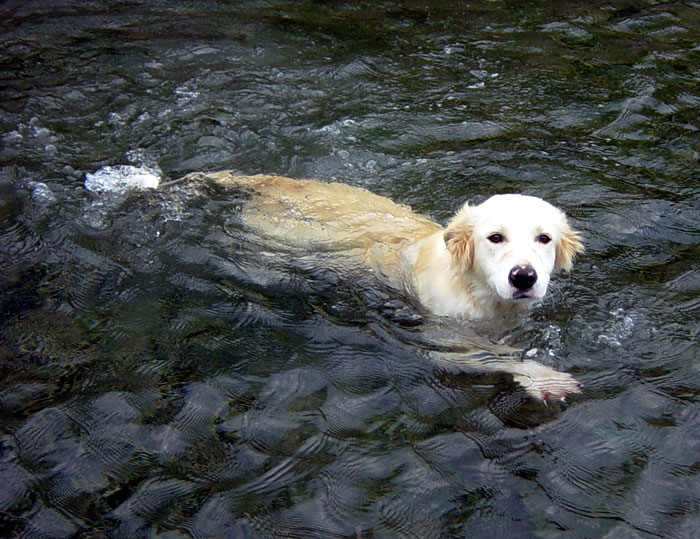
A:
512,244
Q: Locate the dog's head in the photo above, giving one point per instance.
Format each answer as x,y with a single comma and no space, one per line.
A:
512,244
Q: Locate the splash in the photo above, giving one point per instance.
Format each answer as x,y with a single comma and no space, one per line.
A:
122,178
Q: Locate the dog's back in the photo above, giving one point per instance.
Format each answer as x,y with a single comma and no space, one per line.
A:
330,217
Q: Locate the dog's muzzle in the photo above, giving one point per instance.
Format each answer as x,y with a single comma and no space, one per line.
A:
522,278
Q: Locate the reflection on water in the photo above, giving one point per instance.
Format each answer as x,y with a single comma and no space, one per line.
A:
165,371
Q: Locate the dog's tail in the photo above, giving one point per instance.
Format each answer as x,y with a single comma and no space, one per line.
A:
223,177
257,182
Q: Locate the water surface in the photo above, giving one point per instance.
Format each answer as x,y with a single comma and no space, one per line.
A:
166,373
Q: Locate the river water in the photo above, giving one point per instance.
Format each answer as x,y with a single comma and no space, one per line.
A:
164,373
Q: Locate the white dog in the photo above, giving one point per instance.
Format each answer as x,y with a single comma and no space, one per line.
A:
488,266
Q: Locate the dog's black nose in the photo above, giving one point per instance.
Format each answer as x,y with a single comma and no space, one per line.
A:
522,277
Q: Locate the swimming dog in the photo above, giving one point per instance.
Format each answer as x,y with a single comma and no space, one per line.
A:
488,266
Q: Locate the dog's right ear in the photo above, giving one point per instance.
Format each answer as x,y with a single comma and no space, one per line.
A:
459,238
568,246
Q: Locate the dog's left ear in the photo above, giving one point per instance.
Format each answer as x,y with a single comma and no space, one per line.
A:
459,239
568,247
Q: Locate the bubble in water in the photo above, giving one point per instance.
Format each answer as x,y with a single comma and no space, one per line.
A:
620,329
12,136
606,340
140,158
41,193
623,324
552,335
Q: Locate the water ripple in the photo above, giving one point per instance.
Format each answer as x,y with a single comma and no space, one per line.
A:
168,371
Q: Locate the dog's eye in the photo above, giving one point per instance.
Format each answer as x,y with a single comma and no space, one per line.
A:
495,238
544,239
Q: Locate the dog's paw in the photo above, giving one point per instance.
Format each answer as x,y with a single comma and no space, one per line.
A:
545,384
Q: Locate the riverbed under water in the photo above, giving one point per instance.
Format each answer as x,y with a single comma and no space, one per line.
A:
166,373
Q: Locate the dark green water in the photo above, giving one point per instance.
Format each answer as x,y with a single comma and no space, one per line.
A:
166,374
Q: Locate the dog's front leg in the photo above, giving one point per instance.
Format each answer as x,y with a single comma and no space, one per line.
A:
450,347
539,381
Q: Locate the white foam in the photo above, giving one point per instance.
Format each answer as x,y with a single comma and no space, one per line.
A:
121,178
